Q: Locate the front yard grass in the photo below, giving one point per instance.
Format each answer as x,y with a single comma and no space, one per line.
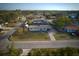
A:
64,36
29,36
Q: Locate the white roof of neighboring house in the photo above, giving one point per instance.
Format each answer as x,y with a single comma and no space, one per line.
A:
40,21
39,26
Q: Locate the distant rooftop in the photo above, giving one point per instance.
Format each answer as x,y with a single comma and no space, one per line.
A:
40,22
72,27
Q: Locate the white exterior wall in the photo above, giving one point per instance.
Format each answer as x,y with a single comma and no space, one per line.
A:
34,29
39,28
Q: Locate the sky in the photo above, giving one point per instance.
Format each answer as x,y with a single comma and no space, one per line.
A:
39,6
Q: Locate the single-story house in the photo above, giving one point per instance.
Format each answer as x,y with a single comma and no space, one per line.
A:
73,16
39,25
76,23
71,28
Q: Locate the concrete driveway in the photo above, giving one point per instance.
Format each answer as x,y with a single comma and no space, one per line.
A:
51,34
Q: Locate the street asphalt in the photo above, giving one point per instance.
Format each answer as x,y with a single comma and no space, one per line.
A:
46,44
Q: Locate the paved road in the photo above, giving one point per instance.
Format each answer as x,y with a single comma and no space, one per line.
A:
7,27
46,44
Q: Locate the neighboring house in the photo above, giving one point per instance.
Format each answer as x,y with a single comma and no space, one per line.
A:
53,17
30,16
39,25
39,16
76,23
71,28
73,16
74,27
40,22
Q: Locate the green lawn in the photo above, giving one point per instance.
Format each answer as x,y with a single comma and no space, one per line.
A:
64,36
27,36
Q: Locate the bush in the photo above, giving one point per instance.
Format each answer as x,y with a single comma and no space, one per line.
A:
54,52
15,52
11,52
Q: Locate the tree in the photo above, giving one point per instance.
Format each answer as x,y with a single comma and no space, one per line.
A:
15,52
12,51
62,21
7,16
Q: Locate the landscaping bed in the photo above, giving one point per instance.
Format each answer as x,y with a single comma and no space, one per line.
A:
68,51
